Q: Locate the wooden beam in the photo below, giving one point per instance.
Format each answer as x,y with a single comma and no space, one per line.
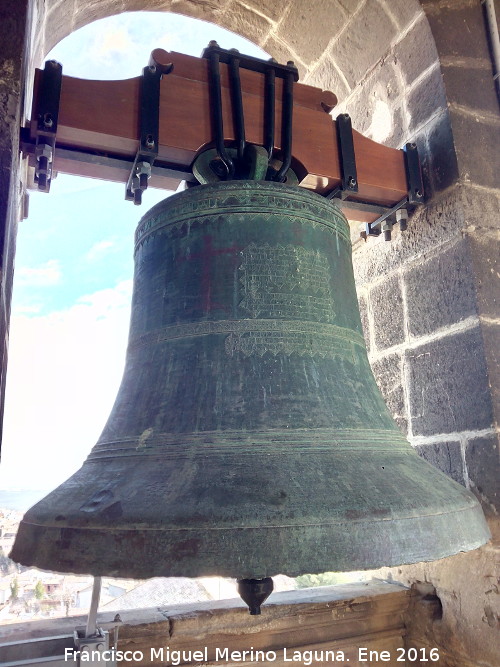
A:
102,117
343,619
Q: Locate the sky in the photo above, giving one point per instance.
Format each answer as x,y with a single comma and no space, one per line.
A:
74,269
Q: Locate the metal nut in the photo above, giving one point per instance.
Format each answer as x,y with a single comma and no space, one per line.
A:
143,168
386,227
44,150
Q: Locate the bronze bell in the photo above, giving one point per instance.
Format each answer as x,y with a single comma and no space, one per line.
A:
248,437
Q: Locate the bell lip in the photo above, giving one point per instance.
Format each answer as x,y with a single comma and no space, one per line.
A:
198,556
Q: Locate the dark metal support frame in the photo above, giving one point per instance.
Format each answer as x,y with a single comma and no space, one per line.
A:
238,168
47,113
149,132
229,163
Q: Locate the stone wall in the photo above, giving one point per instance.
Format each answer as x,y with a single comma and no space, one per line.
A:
405,71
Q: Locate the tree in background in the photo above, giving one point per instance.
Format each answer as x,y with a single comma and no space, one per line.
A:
6,565
14,588
39,590
328,579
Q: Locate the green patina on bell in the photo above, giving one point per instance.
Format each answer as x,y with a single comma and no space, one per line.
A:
248,437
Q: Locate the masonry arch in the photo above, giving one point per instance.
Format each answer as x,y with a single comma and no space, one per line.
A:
389,62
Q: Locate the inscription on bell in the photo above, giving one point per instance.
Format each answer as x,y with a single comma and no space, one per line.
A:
286,282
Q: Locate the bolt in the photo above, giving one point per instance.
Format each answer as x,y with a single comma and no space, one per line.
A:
402,218
413,145
152,69
418,194
100,647
212,42
43,165
138,196
42,182
346,116
272,60
352,182
386,227
48,121
149,142
233,51
290,63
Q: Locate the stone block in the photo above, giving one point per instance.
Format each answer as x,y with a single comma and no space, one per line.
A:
389,376
270,8
442,157
446,456
403,11
350,6
386,304
153,5
458,28
372,105
361,46
482,209
440,291
482,457
416,51
13,18
426,99
246,22
476,145
484,251
491,341
328,77
59,24
198,10
472,87
396,138
448,385
310,26
282,53
92,10
440,221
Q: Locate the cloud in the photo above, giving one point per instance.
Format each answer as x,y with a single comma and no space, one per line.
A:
26,309
63,376
99,250
44,275
112,42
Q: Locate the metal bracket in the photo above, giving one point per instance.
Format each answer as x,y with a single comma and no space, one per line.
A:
384,223
226,165
47,113
413,174
149,117
388,215
250,62
399,212
347,156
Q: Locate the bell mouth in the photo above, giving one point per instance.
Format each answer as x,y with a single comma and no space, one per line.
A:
220,523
